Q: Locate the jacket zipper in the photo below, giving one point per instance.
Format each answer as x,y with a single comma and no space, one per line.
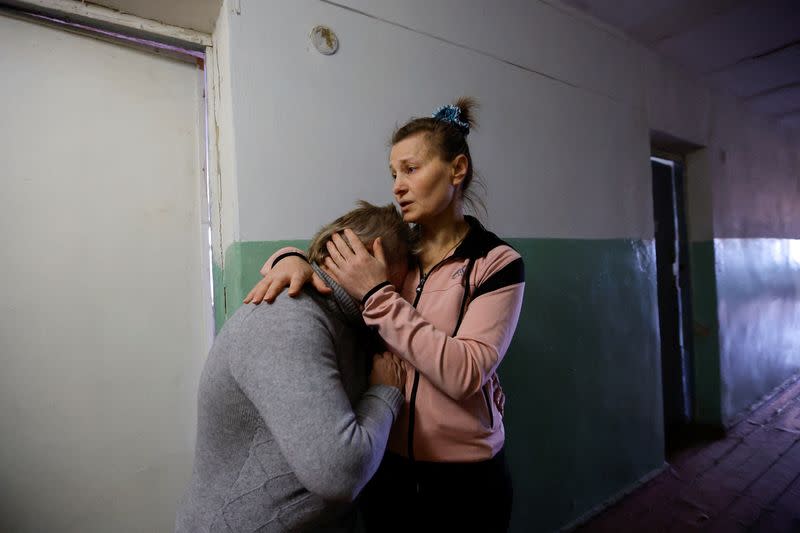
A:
413,399
412,402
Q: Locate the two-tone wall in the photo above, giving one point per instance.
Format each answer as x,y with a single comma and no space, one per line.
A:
568,108
756,246
743,200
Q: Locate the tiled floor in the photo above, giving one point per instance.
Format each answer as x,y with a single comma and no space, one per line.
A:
748,480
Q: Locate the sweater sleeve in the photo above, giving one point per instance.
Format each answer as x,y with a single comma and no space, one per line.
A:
457,365
269,263
292,377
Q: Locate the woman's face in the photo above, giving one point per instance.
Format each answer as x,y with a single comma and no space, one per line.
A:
424,184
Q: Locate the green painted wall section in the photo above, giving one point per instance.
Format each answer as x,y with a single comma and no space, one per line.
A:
758,289
243,260
707,382
582,376
746,306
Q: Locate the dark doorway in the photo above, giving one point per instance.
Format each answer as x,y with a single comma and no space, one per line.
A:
674,302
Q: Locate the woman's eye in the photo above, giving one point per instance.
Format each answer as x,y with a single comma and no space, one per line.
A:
411,170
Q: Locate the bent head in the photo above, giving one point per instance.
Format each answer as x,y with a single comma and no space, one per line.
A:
369,222
431,163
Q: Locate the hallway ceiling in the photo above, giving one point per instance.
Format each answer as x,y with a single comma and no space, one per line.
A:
750,48
200,15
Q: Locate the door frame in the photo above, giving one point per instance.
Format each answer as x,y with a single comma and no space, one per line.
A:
180,44
674,435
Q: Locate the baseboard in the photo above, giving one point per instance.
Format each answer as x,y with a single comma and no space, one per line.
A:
747,411
712,431
597,509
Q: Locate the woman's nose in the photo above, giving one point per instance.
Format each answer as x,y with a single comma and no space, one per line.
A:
399,186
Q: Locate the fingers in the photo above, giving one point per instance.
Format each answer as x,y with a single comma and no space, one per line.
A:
394,357
333,251
393,361
499,399
249,297
295,284
256,294
355,243
332,267
291,272
377,250
320,285
399,371
385,359
346,249
387,370
272,292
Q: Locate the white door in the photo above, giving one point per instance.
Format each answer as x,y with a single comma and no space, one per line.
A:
104,297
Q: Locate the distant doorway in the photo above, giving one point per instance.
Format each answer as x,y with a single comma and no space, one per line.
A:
674,299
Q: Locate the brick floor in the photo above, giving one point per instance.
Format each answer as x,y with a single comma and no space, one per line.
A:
745,481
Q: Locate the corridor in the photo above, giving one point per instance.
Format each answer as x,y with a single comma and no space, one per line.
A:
747,481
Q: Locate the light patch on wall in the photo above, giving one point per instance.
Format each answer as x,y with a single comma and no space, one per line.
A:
794,252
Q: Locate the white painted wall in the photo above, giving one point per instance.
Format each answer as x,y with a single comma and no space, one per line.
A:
568,105
744,181
312,131
105,314
756,175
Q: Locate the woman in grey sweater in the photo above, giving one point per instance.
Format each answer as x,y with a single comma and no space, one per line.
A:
290,426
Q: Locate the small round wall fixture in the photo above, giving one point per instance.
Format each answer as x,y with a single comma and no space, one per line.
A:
324,40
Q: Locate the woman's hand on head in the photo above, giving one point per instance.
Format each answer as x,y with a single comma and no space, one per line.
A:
292,272
353,267
499,395
387,369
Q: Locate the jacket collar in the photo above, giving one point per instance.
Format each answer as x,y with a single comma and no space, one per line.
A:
478,242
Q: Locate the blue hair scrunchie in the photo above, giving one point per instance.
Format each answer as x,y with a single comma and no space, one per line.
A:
451,114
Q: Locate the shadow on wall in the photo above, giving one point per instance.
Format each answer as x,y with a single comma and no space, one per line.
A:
582,376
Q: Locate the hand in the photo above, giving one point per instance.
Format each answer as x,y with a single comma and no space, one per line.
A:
499,395
293,272
387,369
353,267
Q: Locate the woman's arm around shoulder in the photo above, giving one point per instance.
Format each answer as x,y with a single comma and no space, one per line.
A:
288,267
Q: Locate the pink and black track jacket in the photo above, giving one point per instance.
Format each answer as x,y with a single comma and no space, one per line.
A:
452,336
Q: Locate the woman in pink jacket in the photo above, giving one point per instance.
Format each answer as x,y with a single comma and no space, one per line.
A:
451,323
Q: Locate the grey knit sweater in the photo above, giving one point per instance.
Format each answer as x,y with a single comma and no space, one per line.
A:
288,432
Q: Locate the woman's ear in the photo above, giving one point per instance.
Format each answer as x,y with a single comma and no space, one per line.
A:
460,165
